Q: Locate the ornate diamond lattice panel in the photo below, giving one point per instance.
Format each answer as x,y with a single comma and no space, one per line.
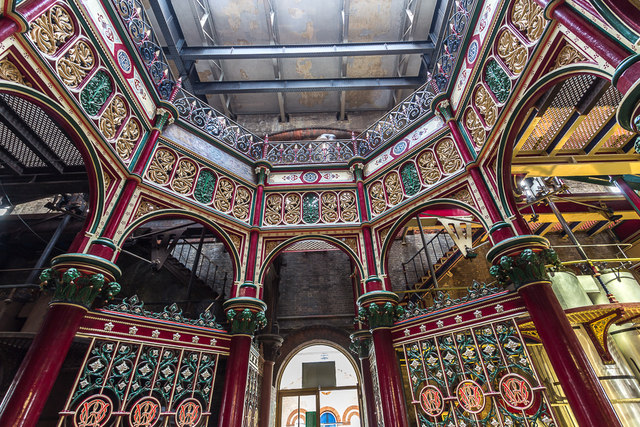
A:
476,375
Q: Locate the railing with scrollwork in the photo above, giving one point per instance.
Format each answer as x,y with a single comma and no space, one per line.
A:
202,116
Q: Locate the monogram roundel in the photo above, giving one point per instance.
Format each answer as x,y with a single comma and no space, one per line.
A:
431,401
516,392
94,411
470,396
145,412
188,413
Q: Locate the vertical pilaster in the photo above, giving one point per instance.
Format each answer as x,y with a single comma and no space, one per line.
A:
270,349
361,345
380,309
78,280
520,261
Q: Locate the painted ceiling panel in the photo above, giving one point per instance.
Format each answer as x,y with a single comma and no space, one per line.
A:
247,69
310,68
368,99
308,21
371,66
255,103
238,22
375,20
298,102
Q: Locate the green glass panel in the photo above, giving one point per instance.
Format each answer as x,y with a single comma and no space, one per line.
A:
96,93
410,180
310,208
204,187
497,80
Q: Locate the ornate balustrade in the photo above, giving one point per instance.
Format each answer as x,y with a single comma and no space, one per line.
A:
203,117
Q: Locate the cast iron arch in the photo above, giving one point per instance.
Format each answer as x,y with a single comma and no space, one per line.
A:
78,138
507,141
182,214
335,241
407,216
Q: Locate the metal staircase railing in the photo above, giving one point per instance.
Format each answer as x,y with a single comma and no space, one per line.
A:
206,270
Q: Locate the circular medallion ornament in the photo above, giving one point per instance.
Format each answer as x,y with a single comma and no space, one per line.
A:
470,396
472,52
145,412
188,413
124,61
310,177
94,411
516,392
399,148
431,401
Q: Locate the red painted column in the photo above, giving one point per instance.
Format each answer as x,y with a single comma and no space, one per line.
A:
628,192
245,316
389,379
235,383
38,371
587,398
520,261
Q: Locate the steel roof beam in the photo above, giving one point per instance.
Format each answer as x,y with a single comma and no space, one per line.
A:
32,140
306,85
304,51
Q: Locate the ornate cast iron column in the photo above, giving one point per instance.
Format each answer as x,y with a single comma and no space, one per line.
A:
520,261
77,281
373,282
380,309
270,349
362,346
245,316
248,288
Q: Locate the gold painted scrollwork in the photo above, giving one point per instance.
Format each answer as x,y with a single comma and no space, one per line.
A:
486,106
144,208
512,52
473,123
567,55
464,196
393,188
224,195
51,30
428,168
127,139
161,166
348,207
113,117
8,71
273,209
448,156
529,18
75,64
242,203
378,203
184,177
329,207
292,208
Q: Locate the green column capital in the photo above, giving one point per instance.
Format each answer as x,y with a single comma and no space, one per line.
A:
245,315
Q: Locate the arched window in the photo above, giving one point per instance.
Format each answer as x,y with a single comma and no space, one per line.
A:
327,419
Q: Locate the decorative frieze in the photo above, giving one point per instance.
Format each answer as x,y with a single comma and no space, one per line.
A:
317,207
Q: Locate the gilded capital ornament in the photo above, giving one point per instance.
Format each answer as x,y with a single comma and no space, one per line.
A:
522,260
245,315
81,279
379,309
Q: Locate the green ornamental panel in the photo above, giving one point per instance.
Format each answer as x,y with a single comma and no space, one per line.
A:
410,180
96,92
310,208
497,80
204,187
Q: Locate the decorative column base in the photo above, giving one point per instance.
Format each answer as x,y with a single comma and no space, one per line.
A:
78,280
380,309
521,261
245,315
